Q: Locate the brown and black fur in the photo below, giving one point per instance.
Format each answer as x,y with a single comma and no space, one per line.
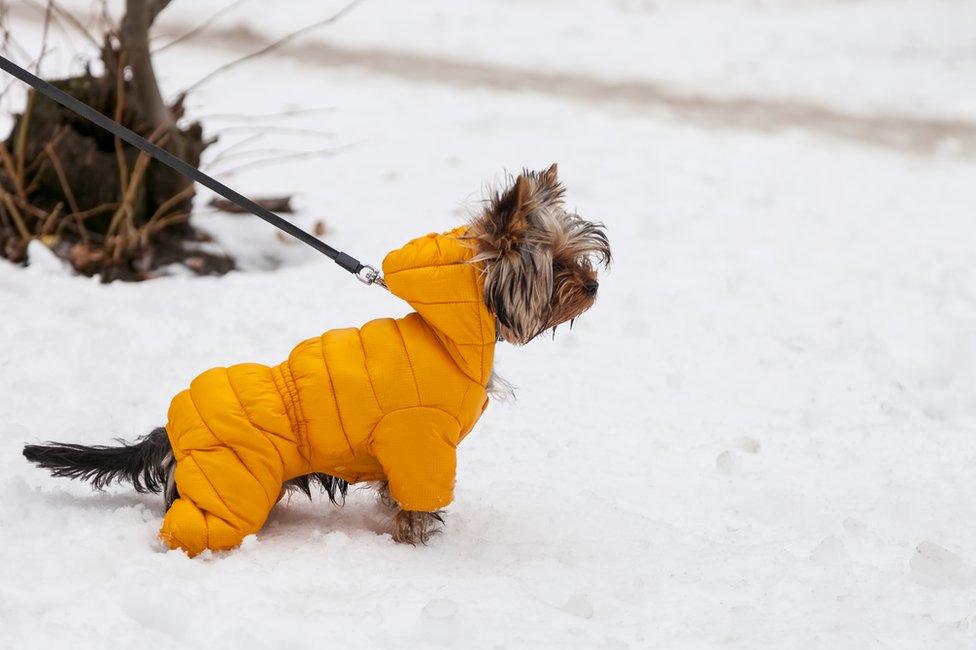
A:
540,260
540,266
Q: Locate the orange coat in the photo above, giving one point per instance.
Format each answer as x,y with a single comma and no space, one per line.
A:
390,400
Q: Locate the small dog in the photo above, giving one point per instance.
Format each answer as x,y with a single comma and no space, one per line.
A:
386,403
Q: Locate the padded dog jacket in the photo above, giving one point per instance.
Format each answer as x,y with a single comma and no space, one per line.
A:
388,401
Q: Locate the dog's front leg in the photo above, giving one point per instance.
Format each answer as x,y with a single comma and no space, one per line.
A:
416,448
410,526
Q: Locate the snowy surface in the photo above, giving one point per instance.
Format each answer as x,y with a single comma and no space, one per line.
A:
761,436
887,56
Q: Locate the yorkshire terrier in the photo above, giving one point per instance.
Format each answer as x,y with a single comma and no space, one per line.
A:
386,403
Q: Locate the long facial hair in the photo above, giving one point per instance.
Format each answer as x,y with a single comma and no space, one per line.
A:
540,260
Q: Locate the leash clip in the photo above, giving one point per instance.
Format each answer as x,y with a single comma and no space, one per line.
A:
370,275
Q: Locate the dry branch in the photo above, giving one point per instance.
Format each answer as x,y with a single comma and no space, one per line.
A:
278,204
275,45
214,17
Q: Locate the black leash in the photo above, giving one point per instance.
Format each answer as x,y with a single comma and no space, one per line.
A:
363,272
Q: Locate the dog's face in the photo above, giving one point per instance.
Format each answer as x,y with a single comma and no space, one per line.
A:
540,261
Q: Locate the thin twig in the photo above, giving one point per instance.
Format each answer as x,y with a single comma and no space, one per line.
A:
52,154
142,163
39,164
29,208
125,207
267,128
237,145
164,223
84,215
11,169
185,193
4,33
4,221
44,32
15,214
51,218
21,143
208,117
66,16
324,153
214,17
79,219
268,152
13,43
7,88
274,45
101,8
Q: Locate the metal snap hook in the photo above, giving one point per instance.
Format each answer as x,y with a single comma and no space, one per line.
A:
370,275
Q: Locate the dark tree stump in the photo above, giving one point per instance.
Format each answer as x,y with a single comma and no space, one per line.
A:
75,176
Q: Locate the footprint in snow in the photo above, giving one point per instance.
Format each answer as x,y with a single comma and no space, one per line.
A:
440,609
724,462
578,605
830,550
935,566
749,445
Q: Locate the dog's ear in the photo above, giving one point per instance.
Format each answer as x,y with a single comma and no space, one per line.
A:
513,240
511,214
506,221
549,191
549,180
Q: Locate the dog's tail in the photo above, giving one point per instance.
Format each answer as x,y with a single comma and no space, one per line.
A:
147,463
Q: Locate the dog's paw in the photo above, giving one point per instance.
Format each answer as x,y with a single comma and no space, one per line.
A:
385,498
410,527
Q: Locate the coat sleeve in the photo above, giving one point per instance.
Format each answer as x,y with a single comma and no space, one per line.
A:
416,448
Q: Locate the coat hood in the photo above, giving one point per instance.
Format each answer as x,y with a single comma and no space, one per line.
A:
436,275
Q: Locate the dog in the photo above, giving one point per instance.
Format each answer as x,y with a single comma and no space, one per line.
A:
385,404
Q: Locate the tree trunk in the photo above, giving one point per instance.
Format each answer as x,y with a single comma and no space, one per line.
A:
139,16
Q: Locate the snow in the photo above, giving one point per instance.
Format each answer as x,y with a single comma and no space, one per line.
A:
761,436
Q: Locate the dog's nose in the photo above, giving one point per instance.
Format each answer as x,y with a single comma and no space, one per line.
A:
591,287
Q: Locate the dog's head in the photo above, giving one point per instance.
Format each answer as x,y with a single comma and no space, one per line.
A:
540,260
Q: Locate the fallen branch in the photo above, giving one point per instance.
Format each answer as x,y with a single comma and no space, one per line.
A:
278,204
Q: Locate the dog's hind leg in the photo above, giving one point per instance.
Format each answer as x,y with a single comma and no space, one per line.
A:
231,460
225,493
220,502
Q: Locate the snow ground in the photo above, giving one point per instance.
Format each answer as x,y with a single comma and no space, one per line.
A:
761,436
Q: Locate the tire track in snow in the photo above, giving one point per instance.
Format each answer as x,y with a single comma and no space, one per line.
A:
912,134
906,133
